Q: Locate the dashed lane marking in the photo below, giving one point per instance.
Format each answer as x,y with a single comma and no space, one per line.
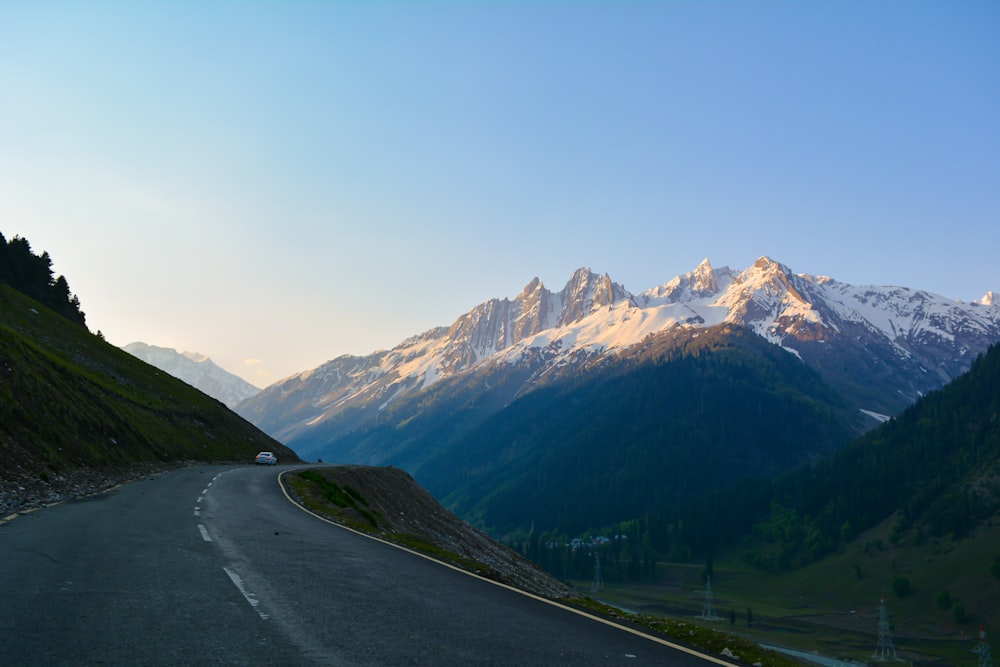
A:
250,597
204,533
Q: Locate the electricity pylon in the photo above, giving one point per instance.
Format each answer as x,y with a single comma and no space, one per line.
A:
983,649
598,584
885,648
708,613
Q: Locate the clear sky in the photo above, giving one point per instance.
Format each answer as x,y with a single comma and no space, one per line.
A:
275,184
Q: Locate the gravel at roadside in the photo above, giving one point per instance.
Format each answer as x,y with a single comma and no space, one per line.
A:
22,491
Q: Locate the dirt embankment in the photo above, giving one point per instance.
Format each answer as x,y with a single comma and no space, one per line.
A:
403,508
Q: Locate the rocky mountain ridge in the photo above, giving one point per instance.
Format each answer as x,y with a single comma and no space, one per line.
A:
882,347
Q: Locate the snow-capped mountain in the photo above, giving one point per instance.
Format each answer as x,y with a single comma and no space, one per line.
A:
882,347
197,370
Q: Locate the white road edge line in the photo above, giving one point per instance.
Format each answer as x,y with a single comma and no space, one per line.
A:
250,597
578,612
204,533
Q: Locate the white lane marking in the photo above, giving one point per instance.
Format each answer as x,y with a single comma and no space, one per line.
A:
199,499
251,598
197,511
204,533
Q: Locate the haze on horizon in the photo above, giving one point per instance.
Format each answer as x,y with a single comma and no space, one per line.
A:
276,184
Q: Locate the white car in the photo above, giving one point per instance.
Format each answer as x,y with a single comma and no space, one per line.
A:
266,458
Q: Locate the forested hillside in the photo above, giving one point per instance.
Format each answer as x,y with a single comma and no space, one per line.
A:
32,275
937,464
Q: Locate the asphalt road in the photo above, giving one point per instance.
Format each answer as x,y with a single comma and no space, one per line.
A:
212,565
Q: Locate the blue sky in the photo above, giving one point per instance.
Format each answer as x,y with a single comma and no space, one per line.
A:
278,183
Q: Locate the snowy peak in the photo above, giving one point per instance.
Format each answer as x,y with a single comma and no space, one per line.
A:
482,331
702,284
498,324
987,300
197,370
774,302
770,276
586,292
702,280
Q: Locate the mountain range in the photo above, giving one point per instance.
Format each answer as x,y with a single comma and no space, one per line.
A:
577,408
197,370
881,347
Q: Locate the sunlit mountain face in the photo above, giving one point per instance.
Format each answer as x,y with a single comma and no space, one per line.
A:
881,347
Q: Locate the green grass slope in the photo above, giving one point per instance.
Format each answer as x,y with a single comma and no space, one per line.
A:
68,400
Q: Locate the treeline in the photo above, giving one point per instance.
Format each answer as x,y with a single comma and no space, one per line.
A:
626,555
934,464
32,274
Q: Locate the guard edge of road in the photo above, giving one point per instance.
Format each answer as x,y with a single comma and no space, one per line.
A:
579,612
34,508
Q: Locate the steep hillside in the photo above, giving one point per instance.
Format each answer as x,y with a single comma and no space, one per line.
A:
70,400
934,469
936,466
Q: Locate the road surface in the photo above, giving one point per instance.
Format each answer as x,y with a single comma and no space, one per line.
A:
213,565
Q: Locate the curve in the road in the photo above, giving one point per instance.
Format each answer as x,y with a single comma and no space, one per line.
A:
214,565
554,603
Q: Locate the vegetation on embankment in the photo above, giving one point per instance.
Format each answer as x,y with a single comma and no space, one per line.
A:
387,503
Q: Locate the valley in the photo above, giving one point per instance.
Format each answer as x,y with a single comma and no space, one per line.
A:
831,607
